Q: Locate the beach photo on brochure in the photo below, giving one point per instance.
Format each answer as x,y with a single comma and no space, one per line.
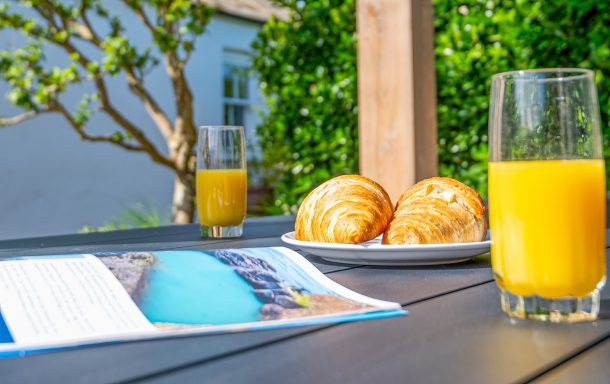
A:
64,301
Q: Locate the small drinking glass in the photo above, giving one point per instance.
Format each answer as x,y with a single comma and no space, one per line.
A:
547,194
221,181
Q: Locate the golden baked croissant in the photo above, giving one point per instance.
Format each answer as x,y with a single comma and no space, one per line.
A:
347,209
436,211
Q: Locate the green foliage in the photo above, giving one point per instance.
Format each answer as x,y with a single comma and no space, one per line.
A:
470,46
307,70
571,33
174,24
137,216
473,40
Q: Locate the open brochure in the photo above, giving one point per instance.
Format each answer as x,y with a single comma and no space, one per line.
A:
62,301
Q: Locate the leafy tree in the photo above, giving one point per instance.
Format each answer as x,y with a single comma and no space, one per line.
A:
37,87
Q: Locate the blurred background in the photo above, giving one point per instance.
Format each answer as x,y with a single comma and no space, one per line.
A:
101,97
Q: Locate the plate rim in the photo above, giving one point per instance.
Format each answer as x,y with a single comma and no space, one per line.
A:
288,238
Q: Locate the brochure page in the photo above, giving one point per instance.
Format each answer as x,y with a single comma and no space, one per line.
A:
60,301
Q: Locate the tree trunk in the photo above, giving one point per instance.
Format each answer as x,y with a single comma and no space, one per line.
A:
183,202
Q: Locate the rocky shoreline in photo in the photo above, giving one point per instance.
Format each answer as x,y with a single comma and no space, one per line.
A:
280,299
130,269
318,305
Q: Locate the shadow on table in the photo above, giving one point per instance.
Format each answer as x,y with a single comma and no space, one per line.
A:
481,261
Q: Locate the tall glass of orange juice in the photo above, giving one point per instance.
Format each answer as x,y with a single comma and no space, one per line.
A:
221,181
547,194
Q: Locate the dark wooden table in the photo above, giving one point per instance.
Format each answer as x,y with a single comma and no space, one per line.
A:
455,332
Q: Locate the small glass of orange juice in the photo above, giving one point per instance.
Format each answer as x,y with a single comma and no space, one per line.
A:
221,181
547,194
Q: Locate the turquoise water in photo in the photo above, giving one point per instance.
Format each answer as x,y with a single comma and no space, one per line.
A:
191,287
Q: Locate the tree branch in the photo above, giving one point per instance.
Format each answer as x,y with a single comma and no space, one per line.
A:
154,110
85,31
151,28
184,127
137,134
183,98
142,16
19,118
136,87
93,138
187,57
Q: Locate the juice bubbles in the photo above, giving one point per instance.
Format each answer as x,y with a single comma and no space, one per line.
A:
547,220
221,196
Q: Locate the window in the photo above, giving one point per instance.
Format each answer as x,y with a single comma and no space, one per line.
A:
236,99
238,96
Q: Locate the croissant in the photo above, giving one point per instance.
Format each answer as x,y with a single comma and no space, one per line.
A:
436,211
347,209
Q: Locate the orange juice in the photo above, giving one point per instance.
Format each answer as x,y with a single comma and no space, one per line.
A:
221,196
547,222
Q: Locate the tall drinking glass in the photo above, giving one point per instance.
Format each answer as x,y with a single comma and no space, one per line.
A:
547,194
221,181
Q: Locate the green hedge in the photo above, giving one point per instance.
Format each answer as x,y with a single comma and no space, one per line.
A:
475,39
307,67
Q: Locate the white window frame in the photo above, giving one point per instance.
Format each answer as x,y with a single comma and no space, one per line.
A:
237,59
241,59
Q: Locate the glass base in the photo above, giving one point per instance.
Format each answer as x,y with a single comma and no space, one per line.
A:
219,232
564,310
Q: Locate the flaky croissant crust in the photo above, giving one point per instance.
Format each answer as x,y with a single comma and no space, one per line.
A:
347,209
436,211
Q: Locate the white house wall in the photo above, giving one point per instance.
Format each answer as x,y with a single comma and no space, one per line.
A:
52,183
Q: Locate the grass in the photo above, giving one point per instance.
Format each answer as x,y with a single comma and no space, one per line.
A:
138,215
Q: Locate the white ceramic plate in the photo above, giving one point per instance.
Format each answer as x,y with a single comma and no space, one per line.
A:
374,253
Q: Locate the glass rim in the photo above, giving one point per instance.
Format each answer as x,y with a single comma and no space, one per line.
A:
227,127
567,74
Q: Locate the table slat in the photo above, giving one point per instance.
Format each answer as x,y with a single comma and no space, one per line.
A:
458,337
253,228
590,367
